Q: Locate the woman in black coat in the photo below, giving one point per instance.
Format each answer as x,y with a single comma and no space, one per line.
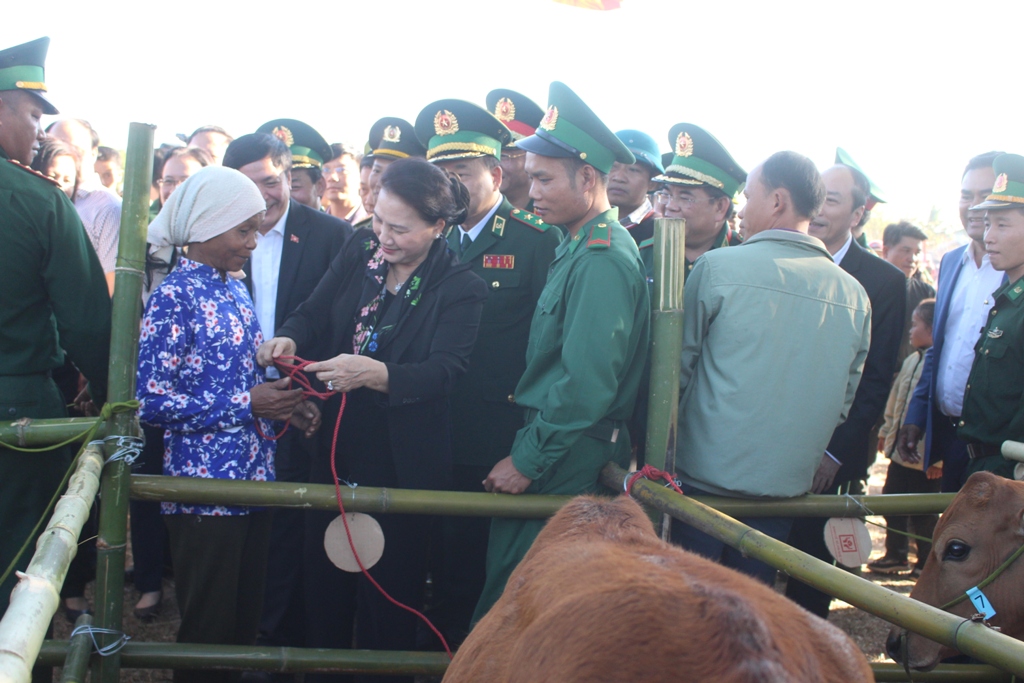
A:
398,316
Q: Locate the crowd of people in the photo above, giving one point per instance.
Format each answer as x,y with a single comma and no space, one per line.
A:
475,290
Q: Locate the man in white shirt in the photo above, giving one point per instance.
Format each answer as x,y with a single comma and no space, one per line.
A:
967,281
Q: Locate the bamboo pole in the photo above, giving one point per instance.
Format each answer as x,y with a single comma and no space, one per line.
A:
30,433
970,638
526,506
36,597
76,664
666,343
124,347
295,660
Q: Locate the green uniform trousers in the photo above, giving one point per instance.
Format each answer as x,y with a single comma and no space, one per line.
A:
27,480
576,474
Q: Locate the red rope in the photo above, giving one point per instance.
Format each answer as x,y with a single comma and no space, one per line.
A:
651,472
295,371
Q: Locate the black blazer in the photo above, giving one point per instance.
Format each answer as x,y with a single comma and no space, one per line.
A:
886,286
311,241
427,350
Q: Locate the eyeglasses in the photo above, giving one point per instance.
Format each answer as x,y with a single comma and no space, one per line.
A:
171,182
689,200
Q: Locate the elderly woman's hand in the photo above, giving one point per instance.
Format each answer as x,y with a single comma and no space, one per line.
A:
275,348
274,400
347,372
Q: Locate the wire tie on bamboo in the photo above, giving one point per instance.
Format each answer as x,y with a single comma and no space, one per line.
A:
129,448
107,650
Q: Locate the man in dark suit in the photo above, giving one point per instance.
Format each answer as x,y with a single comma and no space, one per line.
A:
962,304
296,247
511,250
847,199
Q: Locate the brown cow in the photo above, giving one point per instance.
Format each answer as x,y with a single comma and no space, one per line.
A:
599,597
982,527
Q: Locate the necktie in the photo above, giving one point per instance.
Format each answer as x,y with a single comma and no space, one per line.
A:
464,244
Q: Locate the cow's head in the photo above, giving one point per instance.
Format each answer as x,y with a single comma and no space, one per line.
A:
982,527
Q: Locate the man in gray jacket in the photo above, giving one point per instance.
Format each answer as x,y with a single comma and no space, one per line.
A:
775,338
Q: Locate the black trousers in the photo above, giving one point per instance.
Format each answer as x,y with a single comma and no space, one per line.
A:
900,479
808,535
149,534
219,572
948,448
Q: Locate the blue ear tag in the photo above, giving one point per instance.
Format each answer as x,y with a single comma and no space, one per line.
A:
981,602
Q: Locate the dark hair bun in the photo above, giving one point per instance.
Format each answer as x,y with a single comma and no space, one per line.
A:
460,196
428,189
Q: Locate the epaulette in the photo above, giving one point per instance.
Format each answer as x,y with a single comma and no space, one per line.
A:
527,218
34,172
600,236
646,244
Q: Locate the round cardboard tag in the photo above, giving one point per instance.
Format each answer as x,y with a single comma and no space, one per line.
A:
848,540
367,537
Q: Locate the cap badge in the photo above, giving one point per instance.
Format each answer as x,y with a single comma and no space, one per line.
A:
504,110
1000,185
392,134
284,135
445,123
550,119
684,145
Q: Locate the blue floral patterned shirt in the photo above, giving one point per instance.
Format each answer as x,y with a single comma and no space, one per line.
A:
197,365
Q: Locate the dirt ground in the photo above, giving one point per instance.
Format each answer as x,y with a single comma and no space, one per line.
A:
869,632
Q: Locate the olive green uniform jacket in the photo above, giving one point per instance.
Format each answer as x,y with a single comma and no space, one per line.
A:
512,255
53,298
586,354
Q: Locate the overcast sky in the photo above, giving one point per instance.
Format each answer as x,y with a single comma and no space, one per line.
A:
910,89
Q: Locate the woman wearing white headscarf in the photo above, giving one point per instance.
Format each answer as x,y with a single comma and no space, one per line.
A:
199,381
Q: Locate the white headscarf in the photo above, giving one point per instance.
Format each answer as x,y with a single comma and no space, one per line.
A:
207,204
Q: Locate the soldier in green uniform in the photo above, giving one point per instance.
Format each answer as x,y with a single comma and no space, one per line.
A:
700,184
511,250
309,152
53,299
874,197
521,116
390,138
589,335
994,400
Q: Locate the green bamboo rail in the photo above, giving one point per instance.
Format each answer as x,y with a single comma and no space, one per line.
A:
406,501
968,637
299,660
35,598
76,664
30,433
666,340
112,541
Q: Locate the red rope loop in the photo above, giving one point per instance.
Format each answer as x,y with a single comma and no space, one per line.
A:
295,371
653,473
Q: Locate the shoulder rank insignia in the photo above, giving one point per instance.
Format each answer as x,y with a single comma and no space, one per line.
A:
995,333
528,218
29,169
600,236
499,226
1015,292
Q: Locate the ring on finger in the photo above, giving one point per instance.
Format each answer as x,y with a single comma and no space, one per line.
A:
330,385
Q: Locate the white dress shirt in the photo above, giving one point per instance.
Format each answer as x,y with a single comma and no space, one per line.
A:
266,268
838,256
475,231
968,312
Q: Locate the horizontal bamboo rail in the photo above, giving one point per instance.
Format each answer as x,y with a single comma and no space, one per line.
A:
296,660
970,638
34,600
406,501
30,433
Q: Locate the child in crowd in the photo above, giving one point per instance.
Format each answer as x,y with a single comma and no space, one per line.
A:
902,476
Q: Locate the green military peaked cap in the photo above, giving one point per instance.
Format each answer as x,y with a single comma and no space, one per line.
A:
843,158
395,138
700,159
570,129
21,68
521,114
456,129
1008,190
309,149
643,147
